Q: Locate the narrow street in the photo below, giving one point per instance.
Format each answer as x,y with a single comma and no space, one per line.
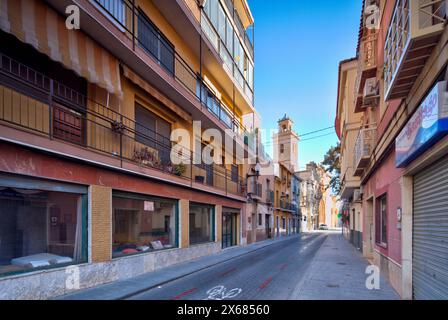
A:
268,273
302,268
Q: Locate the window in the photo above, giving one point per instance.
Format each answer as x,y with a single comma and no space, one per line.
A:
155,43
260,220
142,224
115,8
201,224
381,229
153,132
282,148
234,173
41,229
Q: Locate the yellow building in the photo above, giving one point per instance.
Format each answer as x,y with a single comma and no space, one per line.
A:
91,113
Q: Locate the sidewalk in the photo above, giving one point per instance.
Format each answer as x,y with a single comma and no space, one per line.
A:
125,288
337,272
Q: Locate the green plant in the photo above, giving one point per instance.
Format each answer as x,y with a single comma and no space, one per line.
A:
179,169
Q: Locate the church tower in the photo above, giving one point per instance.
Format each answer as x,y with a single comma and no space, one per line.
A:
286,144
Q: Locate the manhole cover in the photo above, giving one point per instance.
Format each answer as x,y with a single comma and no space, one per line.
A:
342,263
332,285
335,248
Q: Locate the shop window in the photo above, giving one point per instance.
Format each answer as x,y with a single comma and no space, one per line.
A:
40,229
201,224
381,221
142,225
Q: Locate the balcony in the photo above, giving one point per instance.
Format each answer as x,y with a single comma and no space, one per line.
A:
365,143
244,34
270,197
38,111
255,189
227,57
367,64
414,31
286,205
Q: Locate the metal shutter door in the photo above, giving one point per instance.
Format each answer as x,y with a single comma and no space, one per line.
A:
430,232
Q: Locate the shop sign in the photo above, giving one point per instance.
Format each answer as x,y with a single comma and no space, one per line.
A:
428,125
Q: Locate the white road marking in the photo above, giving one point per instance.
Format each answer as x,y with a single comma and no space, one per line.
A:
221,293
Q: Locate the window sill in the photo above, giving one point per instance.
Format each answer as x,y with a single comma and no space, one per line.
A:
144,252
36,271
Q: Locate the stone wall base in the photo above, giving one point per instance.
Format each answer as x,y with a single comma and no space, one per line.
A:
48,284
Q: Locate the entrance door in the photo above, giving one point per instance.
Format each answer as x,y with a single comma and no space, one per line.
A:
267,219
228,230
430,233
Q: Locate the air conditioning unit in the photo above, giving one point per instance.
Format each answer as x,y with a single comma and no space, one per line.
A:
371,92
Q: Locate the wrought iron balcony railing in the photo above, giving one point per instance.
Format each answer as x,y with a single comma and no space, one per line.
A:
255,189
415,29
33,102
367,61
365,143
270,197
143,33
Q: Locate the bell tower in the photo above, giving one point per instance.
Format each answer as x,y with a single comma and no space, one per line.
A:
286,144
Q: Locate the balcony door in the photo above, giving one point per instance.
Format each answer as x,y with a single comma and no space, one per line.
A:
154,132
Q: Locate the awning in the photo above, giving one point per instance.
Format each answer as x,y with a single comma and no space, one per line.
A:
35,23
136,79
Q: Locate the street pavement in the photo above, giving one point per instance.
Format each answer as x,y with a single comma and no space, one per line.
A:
338,272
309,266
270,273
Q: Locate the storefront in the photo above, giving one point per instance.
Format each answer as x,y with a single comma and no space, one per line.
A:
142,224
422,150
43,224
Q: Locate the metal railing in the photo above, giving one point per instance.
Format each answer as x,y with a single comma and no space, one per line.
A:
220,47
367,59
270,196
37,103
248,40
411,20
143,33
286,205
256,189
365,143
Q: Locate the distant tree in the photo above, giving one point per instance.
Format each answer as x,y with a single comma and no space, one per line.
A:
332,164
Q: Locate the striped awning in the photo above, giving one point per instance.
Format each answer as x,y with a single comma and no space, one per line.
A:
35,23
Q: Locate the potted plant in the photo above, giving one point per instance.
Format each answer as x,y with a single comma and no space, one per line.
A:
118,127
179,169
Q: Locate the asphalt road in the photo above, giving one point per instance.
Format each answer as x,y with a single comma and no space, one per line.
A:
271,273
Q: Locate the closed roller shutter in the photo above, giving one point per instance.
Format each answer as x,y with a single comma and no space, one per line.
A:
430,232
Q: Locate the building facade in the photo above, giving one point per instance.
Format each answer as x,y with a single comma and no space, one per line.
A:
349,124
401,149
310,188
98,130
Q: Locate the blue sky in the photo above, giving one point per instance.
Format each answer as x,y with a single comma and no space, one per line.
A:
298,46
